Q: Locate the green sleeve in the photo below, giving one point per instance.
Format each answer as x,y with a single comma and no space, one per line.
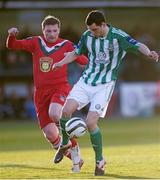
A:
81,47
127,43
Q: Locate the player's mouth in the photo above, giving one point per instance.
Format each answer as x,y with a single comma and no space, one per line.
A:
51,39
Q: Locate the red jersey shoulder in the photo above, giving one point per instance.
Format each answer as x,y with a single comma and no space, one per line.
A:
69,45
32,38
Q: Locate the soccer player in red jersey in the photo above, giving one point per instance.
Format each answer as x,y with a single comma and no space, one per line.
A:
51,87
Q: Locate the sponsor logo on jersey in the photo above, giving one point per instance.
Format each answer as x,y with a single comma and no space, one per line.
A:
45,64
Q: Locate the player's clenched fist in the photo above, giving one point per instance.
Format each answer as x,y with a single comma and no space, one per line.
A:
13,31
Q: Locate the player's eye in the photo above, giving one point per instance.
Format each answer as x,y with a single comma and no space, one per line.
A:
94,30
48,31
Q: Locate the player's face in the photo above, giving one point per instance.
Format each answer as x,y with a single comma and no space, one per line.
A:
51,32
97,31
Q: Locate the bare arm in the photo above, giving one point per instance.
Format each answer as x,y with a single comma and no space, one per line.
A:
70,57
146,51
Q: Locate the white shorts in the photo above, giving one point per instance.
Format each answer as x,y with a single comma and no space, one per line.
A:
99,96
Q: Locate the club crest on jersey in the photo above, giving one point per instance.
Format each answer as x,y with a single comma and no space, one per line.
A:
101,58
102,55
45,64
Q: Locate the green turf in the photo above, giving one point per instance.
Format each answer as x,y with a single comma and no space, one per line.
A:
131,146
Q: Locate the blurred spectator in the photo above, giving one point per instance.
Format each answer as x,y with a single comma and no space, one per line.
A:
70,34
143,69
6,110
158,98
29,104
11,60
143,36
30,108
17,104
24,62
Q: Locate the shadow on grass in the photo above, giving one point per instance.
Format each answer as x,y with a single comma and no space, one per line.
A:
113,176
107,175
25,166
126,177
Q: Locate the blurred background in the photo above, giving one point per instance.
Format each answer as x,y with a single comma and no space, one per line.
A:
137,93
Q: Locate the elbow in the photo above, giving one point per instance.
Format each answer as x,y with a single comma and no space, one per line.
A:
8,44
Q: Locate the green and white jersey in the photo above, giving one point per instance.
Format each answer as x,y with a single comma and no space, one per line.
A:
105,54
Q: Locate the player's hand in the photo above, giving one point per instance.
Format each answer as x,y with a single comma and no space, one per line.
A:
57,66
65,54
13,31
153,55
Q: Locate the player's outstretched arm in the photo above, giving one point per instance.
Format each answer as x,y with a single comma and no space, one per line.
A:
67,59
146,51
13,43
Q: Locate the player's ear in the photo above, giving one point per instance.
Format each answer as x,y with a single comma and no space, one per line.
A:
59,29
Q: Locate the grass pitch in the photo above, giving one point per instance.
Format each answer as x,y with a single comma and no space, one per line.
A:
131,147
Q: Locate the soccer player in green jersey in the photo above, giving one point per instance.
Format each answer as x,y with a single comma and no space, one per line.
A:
106,47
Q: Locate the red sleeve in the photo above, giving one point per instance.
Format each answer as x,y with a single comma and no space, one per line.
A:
83,60
25,44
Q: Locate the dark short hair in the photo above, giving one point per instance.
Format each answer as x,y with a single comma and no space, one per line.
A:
50,20
96,17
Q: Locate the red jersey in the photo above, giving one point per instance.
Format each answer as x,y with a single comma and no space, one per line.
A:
44,55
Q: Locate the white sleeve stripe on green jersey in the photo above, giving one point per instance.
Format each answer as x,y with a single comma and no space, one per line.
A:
120,32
